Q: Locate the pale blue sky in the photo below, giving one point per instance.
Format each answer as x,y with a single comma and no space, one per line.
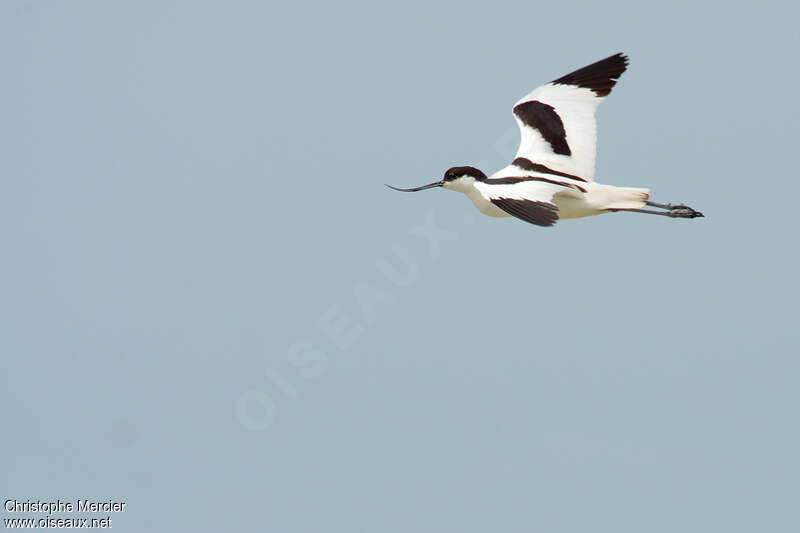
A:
215,311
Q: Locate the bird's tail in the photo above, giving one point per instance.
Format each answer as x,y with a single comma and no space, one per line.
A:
626,197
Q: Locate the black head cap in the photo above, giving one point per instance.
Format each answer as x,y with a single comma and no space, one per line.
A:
457,172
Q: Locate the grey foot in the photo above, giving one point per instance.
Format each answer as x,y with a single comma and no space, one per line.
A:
683,211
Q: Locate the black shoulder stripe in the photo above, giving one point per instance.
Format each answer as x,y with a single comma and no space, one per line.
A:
539,213
599,77
527,164
545,120
512,180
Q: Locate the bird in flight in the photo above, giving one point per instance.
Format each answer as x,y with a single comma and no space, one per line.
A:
552,175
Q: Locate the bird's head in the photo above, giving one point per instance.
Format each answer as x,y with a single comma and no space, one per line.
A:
461,178
455,178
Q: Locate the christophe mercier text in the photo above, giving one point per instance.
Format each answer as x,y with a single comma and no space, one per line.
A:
60,506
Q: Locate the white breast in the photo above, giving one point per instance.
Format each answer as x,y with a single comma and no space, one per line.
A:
466,185
485,206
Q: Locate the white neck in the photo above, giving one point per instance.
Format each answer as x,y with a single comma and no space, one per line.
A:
462,184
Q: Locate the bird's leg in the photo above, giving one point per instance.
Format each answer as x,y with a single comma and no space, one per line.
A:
673,211
668,207
680,210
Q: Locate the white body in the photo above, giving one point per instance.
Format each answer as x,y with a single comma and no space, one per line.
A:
571,203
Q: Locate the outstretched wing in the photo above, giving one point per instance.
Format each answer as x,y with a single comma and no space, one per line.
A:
527,198
556,121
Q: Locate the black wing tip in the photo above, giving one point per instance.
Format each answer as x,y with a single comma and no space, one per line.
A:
600,76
